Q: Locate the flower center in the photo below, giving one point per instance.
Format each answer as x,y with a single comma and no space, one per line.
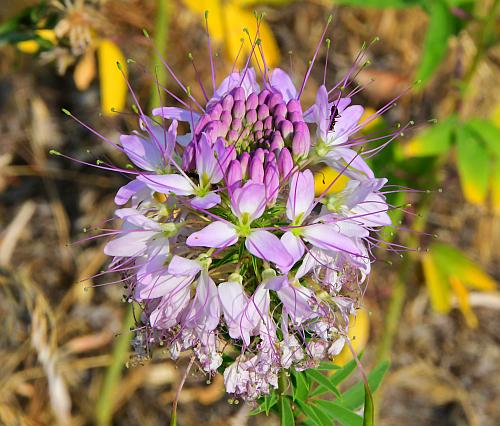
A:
260,120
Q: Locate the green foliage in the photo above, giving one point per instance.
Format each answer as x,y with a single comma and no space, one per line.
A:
442,25
313,398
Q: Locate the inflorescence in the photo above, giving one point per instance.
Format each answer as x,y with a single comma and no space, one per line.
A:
224,242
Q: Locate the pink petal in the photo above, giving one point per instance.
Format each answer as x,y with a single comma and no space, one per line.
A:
293,245
129,244
165,184
207,201
282,82
250,199
327,238
182,266
179,114
126,192
233,301
267,246
217,235
143,153
301,197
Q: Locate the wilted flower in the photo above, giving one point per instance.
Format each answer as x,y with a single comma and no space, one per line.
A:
225,242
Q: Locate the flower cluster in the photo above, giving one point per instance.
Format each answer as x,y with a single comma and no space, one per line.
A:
224,242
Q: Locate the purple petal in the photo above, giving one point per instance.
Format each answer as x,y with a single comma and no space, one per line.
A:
282,82
143,153
233,301
129,244
267,246
296,301
326,237
160,285
178,114
166,313
177,184
293,245
301,197
217,235
277,283
126,192
250,199
207,201
138,220
182,266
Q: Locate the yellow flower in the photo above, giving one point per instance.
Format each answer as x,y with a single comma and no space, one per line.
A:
226,21
31,46
324,178
359,331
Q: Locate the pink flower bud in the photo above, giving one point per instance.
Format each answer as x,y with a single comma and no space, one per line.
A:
272,183
262,112
238,110
293,105
256,169
238,94
227,103
252,101
234,174
244,160
285,163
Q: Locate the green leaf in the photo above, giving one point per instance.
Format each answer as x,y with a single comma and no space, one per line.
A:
341,414
369,410
346,371
323,381
432,141
473,163
380,4
354,397
328,366
338,377
300,386
487,131
442,25
313,414
286,412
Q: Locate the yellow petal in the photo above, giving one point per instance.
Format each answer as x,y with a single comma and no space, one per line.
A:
463,301
32,46
235,20
47,34
325,177
214,8
28,46
358,333
112,82
437,285
85,70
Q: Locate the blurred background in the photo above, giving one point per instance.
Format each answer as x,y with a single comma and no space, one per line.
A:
433,312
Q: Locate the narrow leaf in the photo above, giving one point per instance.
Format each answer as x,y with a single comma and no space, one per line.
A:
369,409
473,164
354,397
323,381
442,25
339,413
286,412
488,132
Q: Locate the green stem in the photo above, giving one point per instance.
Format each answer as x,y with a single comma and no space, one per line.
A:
282,384
106,402
160,41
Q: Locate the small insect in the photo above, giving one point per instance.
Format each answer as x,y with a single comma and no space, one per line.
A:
334,115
